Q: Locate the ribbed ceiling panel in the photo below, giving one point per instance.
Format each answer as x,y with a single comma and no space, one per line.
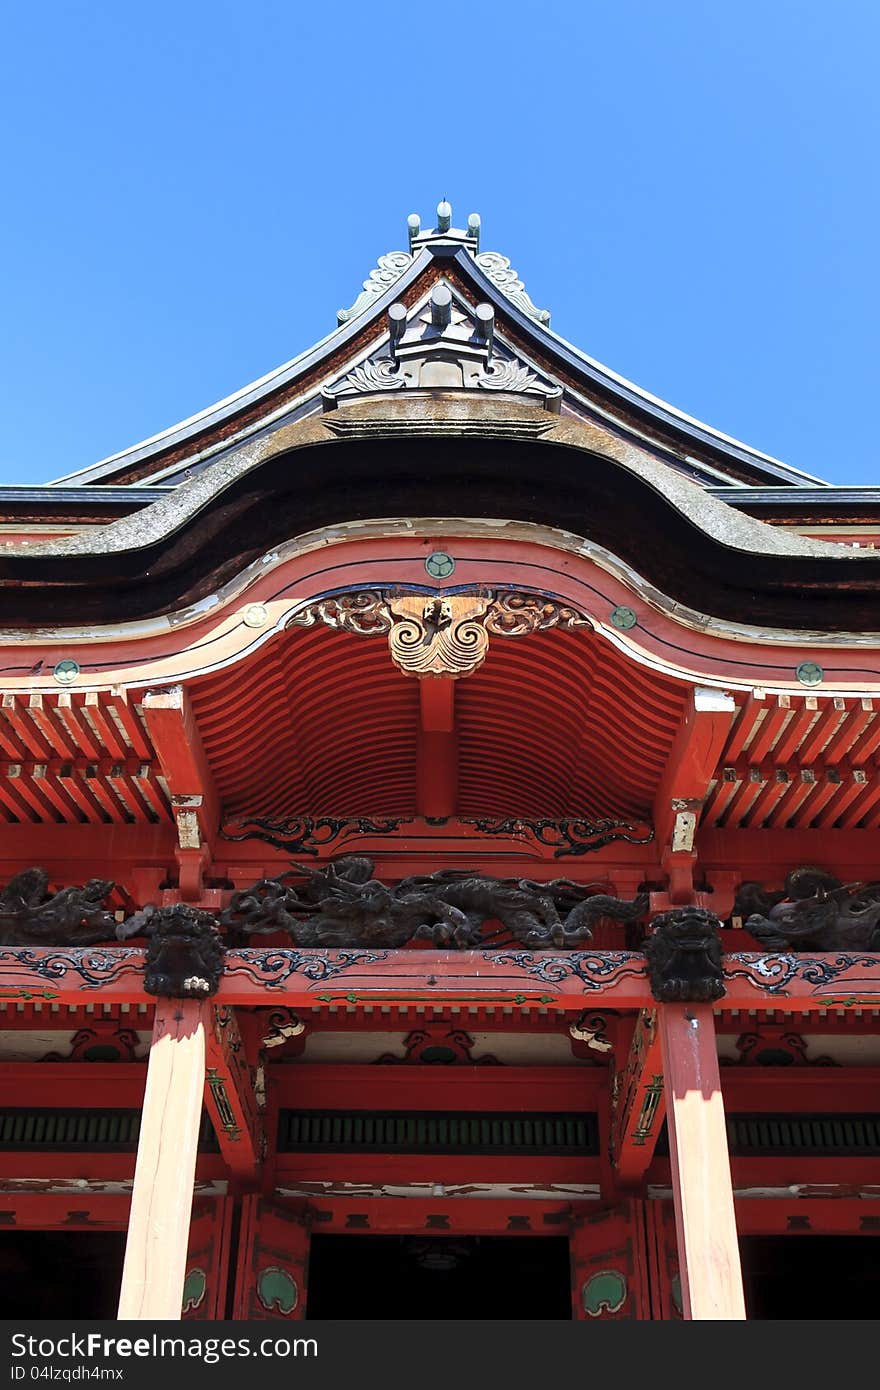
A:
561,723
318,721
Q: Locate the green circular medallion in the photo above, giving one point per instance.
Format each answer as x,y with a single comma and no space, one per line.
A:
439,565
623,618
66,671
810,673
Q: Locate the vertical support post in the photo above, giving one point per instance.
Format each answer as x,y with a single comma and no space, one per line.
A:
711,1279
161,1201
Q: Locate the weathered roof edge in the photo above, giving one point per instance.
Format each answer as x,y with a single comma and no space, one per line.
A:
498,283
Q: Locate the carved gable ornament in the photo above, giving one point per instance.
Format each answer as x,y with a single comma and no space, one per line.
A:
443,346
439,634
495,267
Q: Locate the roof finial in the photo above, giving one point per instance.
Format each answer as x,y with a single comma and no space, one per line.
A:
444,216
474,228
414,226
441,305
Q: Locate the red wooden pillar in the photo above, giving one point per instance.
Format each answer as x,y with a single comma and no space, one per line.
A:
155,1265
711,1282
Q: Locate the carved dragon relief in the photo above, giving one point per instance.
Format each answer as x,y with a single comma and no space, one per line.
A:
32,916
342,904
439,634
814,911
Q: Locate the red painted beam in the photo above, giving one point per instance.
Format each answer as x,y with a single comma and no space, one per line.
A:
743,729
229,1096
690,767
801,1175
52,1211
559,980
172,728
820,1090
640,1105
770,729
467,1088
89,1084
437,749
839,1216
311,1172
469,1215
795,731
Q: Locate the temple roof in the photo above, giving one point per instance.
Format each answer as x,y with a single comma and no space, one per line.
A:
520,331
443,404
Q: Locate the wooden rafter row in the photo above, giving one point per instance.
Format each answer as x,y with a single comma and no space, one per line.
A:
801,798
77,757
787,727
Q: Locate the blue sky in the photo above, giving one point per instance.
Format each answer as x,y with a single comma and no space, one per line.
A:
193,189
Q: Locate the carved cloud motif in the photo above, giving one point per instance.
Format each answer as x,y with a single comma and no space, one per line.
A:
438,636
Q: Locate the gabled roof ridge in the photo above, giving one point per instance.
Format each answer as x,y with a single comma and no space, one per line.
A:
393,274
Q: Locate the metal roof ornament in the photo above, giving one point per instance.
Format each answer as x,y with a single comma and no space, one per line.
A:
505,279
392,265
468,236
443,344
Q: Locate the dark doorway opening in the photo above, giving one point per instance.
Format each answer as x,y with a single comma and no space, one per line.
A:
61,1274
811,1276
408,1277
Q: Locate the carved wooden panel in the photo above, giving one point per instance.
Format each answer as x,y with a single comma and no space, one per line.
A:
273,1261
608,1265
207,1261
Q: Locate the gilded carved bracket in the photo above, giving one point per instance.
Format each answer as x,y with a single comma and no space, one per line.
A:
444,635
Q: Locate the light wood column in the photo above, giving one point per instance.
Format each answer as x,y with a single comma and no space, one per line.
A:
161,1201
711,1281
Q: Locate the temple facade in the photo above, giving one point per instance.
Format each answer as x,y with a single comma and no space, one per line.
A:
441,816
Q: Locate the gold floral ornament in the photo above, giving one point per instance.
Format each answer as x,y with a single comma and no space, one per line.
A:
438,636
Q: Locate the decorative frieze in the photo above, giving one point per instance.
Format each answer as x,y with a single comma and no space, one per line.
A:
308,834
572,835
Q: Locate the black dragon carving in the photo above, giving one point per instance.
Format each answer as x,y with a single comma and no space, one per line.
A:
344,905
32,916
814,912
